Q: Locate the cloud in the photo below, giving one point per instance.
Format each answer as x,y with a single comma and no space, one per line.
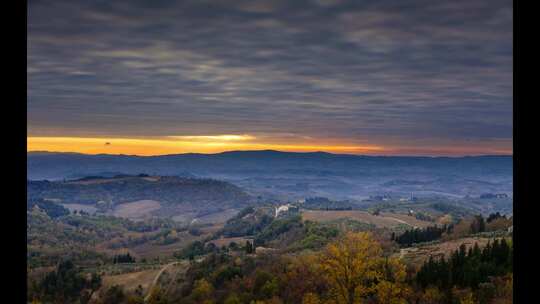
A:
428,72
227,137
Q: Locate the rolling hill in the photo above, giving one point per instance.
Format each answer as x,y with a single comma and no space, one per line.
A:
288,175
141,195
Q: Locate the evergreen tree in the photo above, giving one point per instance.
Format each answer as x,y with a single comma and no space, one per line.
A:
249,247
467,269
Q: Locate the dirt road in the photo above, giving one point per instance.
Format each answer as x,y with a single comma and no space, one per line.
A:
156,279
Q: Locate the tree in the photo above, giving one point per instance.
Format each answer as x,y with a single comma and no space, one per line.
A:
478,224
303,275
417,235
467,298
123,258
66,284
311,298
92,285
467,269
202,290
392,288
113,295
494,216
232,299
139,290
432,295
270,288
157,296
350,264
486,292
265,285
249,248
355,269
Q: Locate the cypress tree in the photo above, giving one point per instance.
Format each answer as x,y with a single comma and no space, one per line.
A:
476,250
504,251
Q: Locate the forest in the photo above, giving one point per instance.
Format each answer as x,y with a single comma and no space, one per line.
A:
353,268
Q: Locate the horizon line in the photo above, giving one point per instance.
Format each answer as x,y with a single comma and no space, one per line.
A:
279,151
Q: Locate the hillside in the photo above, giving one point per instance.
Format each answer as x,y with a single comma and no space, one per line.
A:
140,196
287,175
269,252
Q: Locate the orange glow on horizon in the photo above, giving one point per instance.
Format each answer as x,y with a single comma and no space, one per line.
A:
179,144
222,143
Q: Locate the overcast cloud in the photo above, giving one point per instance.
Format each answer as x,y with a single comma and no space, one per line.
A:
375,72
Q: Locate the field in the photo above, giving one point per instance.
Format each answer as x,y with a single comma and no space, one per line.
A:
226,241
385,220
137,209
209,229
418,254
131,280
79,207
150,251
217,217
407,219
163,275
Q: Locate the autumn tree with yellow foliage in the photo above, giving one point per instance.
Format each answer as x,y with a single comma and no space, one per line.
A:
356,269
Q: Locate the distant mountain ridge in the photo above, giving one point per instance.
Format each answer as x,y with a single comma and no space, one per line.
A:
267,153
297,174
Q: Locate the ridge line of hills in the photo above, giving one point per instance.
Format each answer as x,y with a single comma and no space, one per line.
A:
296,175
272,152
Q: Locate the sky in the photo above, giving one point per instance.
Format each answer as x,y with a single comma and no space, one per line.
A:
359,77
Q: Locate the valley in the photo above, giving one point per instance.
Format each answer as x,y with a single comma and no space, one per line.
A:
181,232
282,176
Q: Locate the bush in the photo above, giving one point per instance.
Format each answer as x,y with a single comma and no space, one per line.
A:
113,295
52,209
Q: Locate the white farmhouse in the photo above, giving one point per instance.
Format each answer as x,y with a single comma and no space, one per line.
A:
282,208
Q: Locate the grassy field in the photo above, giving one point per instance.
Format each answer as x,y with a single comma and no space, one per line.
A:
385,219
418,254
226,241
137,209
410,220
78,207
150,250
217,217
131,280
187,216
211,228
168,273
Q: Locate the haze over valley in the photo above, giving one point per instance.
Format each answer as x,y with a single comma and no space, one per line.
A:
293,176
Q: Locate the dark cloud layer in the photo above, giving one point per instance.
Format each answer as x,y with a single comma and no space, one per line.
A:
397,72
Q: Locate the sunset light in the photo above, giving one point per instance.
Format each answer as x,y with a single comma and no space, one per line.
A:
180,144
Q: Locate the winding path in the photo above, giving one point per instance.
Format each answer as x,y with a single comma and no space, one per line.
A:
156,279
400,221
